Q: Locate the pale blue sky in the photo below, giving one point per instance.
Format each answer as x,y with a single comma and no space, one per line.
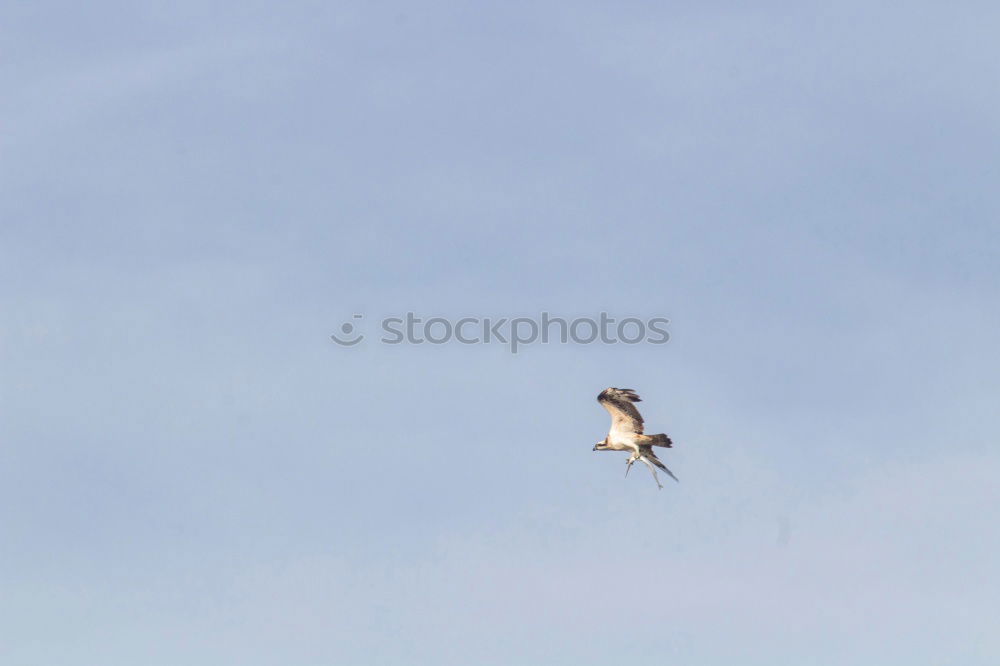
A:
195,195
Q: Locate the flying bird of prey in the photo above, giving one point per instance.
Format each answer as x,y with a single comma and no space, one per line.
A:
626,432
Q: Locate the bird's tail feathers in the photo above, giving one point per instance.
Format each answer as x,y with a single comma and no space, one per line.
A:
661,440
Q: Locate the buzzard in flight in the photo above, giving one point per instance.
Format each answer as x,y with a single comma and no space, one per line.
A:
626,432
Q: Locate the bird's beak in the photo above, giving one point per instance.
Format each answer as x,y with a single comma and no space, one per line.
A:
595,447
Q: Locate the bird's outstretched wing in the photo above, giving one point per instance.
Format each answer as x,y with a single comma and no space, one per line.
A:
625,418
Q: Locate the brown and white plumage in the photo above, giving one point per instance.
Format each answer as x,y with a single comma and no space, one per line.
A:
626,433
625,418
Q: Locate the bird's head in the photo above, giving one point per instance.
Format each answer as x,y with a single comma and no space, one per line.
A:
601,445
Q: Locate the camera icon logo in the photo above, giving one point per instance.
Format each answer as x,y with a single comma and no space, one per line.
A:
347,328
